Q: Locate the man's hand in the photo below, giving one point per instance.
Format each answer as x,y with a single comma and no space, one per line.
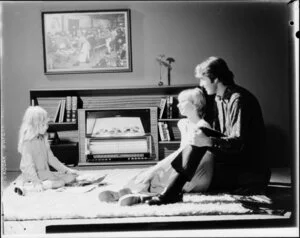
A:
199,139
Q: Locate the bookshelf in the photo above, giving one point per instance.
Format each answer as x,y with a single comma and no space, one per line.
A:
127,97
169,142
169,119
65,126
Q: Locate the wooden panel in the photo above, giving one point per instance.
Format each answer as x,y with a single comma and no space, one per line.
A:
154,132
121,101
139,90
81,134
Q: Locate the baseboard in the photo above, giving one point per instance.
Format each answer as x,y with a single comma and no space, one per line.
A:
278,184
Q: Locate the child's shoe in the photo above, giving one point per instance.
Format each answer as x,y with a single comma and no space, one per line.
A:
112,196
28,188
108,196
132,199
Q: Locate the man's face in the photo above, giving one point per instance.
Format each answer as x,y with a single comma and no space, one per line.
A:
205,82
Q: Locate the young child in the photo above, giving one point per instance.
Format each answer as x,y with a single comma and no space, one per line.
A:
153,181
37,155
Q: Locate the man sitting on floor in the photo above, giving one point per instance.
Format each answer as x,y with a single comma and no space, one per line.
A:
239,155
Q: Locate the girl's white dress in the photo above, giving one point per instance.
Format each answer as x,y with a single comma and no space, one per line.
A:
35,161
199,182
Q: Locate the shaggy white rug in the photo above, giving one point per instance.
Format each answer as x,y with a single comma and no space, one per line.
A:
83,202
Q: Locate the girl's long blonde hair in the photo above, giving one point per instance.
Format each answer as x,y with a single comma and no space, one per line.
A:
33,119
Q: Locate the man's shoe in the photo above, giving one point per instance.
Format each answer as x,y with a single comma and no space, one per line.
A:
162,200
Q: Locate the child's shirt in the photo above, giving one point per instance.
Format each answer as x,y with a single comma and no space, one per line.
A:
36,158
187,128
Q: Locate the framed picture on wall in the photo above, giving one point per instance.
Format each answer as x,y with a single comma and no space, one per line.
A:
87,41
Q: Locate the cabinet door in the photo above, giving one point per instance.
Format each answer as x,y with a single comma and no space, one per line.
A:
66,153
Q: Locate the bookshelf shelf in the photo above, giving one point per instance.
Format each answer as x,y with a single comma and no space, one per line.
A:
169,119
67,145
64,126
170,142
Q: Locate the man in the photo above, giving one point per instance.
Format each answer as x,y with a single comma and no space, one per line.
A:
239,153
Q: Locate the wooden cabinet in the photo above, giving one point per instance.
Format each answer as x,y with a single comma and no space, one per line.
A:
67,153
65,143
147,96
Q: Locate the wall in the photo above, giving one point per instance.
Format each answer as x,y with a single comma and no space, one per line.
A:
252,37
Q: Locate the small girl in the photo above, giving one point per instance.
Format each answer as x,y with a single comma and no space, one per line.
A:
37,155
154,180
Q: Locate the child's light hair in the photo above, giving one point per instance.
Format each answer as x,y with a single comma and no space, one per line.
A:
32,121
195,96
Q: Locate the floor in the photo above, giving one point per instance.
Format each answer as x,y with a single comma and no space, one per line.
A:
8,177
280,176
280,188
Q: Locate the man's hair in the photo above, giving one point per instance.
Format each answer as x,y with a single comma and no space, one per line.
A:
215,67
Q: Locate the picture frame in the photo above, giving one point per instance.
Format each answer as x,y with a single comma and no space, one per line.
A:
97,41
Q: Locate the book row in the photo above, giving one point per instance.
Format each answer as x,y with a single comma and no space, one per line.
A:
164,132
166,107
60,109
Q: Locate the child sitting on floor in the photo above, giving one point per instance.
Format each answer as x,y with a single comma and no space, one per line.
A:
37,155
154,180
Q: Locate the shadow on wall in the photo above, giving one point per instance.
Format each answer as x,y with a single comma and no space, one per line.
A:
277,147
